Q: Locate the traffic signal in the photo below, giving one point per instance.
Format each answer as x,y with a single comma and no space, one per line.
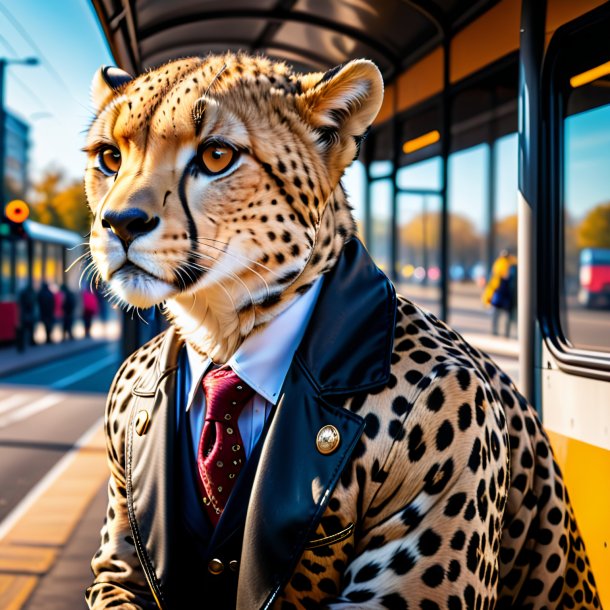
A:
15,213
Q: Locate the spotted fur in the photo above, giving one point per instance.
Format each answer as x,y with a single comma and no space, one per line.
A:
452,499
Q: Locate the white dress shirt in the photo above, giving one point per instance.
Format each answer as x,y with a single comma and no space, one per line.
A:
262,361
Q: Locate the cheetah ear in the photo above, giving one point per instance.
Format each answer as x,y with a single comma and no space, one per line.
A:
106,82
342,103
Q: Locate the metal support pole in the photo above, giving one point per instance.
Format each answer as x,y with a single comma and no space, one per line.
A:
30,263
368,217
425,262
43,262
533,14
12,288
491,206
394,237
445,149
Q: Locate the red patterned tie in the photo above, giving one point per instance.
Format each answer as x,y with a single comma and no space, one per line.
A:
221,452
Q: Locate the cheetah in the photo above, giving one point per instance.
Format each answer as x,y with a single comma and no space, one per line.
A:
215,190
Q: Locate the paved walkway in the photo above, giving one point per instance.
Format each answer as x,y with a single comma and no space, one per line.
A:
14,361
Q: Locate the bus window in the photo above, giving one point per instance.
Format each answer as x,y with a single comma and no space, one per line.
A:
585,315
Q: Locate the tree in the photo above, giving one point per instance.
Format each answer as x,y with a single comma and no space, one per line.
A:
506,233
60,202
424,231
594,230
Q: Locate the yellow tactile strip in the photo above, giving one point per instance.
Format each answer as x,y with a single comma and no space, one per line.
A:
30,548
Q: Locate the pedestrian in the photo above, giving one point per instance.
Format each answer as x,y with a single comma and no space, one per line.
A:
27,317
68,305
46,307
501,291
90,309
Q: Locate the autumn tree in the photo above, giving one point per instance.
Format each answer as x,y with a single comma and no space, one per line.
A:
594,230
424,231
506,230
60,202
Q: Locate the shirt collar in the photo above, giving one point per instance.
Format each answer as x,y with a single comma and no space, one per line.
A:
263,359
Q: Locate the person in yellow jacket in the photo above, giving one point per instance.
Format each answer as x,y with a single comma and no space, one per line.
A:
501,290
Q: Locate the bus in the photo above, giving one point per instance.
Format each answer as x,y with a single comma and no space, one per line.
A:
30,255
594,277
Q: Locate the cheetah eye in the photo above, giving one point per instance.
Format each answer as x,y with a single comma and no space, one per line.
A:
215,157
109,159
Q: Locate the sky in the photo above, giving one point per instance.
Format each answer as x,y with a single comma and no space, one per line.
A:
587,160
52,97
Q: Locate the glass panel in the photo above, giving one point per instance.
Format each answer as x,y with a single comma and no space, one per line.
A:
469,220
381,217
51,264
354,182
5,271
37,264
419,221
505,217
585,315
423,175
21,265
380,169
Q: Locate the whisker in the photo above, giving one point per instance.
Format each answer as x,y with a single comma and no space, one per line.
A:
76,261
237,256
220,264
140,316
84,272
196,265
84,243
232,275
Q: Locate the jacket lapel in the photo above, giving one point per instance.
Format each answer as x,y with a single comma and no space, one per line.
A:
149,463
346,349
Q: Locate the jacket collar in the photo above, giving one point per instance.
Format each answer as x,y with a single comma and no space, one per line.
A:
348,345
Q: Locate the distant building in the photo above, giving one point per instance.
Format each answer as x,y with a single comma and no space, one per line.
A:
16,164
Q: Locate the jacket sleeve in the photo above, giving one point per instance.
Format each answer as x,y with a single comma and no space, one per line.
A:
119,581
430,536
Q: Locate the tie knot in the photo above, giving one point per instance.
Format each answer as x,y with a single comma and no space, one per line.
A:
225,394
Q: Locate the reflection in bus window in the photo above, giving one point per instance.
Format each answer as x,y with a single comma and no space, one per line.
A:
585,315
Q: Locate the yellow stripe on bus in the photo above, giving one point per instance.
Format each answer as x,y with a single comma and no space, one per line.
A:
586,470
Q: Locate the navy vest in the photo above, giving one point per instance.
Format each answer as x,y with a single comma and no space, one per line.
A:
200,543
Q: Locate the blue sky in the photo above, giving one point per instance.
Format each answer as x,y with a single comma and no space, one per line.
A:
587,160
54,99
54,96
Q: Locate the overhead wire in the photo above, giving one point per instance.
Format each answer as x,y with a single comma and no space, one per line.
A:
30,41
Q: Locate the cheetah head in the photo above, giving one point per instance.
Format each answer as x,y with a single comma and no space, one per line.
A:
214,185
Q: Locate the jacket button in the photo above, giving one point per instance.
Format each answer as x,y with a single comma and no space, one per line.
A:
328,439
234,565
142,422
216,567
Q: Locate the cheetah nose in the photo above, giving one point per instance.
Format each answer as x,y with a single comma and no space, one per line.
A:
129,224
